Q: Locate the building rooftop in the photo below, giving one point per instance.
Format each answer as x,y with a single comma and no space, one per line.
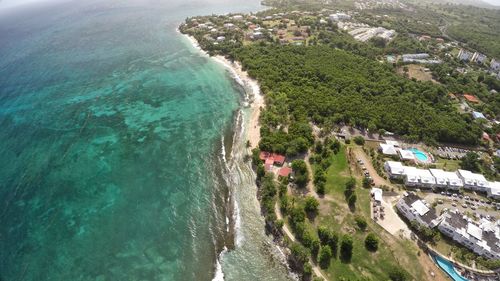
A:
426,214
406,154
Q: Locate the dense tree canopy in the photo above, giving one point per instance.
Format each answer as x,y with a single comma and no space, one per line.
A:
326,86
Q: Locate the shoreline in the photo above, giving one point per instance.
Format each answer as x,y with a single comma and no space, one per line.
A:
251,86
253,100
253,97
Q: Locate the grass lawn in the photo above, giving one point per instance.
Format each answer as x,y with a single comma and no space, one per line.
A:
337,174
447,165
364,264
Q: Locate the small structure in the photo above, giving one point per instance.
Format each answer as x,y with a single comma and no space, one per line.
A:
471,98
478,115
388,149
406,154
415,209
285,172
377,194
268,164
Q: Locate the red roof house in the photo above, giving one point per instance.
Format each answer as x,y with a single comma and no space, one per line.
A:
471,98
264,155
285,172
278,159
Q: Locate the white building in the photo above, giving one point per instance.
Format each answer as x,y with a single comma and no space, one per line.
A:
445,179
339,17
418,177
388,149
493,190
406,155
416,56
464,55
377,194
411,177
482,238
472,180
494,65
394,169
415,209
478,57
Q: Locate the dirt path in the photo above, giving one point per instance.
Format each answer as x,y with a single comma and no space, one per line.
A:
289,234
360,154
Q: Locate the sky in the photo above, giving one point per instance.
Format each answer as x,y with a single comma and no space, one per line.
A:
493,2
13,3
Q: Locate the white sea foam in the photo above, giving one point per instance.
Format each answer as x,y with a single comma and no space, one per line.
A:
219,274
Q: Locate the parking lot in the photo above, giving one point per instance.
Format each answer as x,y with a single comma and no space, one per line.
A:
466,203
450,152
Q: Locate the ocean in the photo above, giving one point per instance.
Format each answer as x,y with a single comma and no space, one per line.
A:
122,146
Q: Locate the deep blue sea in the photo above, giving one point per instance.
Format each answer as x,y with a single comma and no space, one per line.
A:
113,131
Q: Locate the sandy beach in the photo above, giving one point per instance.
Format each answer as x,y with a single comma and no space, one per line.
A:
255,97
252,88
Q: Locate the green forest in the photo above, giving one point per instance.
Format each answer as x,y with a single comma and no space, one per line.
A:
327,86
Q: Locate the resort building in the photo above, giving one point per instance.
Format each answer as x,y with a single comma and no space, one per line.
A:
415,209
406,154
339,17
446,179
414,177
394,169
482,238
464,55
388,149
472,180
493,190
494,65
416,56
478,58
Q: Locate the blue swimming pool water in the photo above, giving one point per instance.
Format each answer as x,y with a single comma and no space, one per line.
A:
449,269
421,156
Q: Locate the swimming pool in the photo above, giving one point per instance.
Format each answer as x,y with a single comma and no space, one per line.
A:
421,156
447,267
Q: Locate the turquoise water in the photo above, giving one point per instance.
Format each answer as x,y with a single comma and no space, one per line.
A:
449,269
421,156
112,133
